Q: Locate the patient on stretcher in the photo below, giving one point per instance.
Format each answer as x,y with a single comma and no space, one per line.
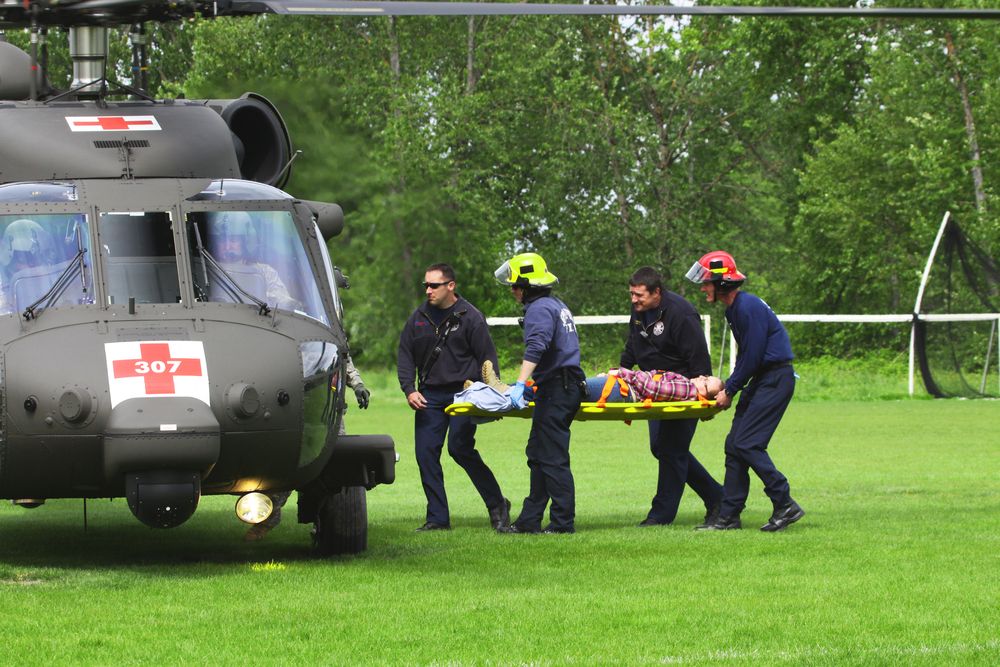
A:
623,385
618,385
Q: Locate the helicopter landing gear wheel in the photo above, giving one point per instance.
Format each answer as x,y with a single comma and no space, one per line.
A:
341,525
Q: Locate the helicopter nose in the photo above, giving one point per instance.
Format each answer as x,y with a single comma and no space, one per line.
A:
161,448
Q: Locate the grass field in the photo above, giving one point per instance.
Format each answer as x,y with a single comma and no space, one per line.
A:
896,562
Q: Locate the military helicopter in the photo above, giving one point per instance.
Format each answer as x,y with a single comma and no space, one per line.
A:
170,322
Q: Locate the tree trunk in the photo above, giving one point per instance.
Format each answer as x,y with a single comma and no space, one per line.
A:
398,224
471,76
970,125
611,136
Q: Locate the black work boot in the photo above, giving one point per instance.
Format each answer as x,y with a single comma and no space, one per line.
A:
500,515
783,517
711,516
552,530
723,523
430,525
514,529
652,521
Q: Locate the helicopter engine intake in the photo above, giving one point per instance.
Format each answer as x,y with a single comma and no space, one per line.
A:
15,73
260,138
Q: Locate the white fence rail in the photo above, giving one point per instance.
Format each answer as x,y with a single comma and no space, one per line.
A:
706,322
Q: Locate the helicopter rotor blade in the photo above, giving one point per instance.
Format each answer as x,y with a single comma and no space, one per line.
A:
417,8
113,12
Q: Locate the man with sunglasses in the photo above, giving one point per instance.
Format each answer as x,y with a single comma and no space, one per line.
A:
444,343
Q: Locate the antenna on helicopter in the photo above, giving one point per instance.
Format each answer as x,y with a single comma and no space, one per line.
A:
33,90
287,166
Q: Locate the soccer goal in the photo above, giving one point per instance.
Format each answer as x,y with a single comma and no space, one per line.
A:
956,317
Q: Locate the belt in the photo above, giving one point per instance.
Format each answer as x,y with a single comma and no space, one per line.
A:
452,387
773,366
565,374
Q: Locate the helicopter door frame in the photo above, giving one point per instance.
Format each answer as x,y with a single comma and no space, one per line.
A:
315,246
186,292
328,266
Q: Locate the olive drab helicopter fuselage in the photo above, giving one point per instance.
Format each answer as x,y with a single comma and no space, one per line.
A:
170,325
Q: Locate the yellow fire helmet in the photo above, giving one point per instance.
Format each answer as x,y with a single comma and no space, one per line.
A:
525,269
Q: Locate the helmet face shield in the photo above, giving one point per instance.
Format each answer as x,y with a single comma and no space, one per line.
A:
232,236
698,273
526,269
25,244
504,275
717,267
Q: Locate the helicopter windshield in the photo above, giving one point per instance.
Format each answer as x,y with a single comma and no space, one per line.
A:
261,256
44,255
139,257
237,190
38,192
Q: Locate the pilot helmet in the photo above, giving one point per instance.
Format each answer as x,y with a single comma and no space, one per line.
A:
23,244
227,227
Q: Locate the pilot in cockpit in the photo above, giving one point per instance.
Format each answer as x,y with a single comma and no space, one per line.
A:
232,241
25,255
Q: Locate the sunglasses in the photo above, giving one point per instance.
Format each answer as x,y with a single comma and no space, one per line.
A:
435,285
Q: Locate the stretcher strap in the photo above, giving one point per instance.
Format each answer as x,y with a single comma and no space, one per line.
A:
648,401
609,384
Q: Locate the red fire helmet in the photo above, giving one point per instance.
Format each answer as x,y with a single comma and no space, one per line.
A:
716,267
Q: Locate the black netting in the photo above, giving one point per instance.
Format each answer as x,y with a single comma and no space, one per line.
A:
960,358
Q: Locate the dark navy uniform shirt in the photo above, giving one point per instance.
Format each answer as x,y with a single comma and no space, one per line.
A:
550,338
462,356
761,338
668,338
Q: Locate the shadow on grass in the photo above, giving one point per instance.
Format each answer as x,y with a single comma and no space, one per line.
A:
45,544
54,536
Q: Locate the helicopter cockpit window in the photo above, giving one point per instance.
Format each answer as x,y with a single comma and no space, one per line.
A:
139,257
44,261
252,255
38,192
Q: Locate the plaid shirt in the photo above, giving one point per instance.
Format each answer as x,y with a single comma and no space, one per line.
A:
659,385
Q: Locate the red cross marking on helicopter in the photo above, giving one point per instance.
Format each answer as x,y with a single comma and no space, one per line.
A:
156,367
111,123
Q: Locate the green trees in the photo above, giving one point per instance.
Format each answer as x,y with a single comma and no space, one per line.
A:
921,141
821,152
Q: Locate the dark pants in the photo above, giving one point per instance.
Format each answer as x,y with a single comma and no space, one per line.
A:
556,403
670,442
429,428
761,407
